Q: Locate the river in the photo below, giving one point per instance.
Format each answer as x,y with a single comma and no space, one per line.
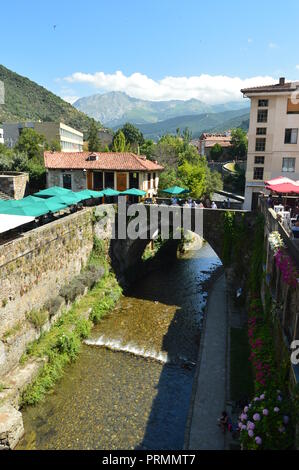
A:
130,387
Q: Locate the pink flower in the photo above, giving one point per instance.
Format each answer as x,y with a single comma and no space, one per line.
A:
276,409
262,397
258,440
265,412
246,409
243,417
250,433
256,417
279,398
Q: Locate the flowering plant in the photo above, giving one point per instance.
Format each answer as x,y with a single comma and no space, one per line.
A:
287,268
276,242
265,423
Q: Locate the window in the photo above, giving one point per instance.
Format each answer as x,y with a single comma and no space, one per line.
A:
288,164
291,136
134,180
260,145
263,103
259,160
258,173
109,179
262,115
67,180
97,180
261,131
154,178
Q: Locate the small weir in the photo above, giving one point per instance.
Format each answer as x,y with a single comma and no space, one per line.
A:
131,386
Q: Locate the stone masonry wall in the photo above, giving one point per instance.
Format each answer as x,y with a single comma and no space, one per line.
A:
33,268
14,184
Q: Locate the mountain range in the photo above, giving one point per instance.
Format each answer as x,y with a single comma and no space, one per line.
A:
114,109
27,101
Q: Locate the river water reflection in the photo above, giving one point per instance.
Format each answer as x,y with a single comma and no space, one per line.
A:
131,385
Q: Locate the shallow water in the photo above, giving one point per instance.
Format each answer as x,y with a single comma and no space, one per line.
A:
130,387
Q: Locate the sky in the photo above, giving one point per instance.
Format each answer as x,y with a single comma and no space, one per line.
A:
151,49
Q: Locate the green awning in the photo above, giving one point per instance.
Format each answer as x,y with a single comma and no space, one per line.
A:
133,192
34,202
175,190
88,193
110,192
53,191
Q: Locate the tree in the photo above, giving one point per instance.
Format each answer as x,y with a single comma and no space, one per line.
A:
239,143
198,178
30,142
53,146
133,135
119,142
168,178
94,143
148,148
216,152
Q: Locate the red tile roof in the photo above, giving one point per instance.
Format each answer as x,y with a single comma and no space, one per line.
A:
99,161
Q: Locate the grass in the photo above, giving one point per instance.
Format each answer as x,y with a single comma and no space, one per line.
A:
231,167
62,343
241,380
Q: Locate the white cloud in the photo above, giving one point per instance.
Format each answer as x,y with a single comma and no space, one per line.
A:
250,40
208,88
297,67
70,99
272,45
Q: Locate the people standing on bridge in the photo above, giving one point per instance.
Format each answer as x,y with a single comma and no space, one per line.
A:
214,205
201,206
228,203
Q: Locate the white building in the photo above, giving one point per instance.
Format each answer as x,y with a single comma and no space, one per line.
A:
70,139
273,146
1,136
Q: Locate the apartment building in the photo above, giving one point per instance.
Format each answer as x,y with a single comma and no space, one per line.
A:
1,136
70,139
273,146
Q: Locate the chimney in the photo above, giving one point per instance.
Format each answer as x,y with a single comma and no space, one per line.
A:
282,81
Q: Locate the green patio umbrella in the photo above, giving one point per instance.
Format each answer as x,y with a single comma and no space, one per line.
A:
175,190
53,191
34,210
68,199
110,192
53,206
88,193
133,192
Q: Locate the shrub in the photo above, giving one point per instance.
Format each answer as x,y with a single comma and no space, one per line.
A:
68,343
72,290
83,328
37,317
53,305
265,423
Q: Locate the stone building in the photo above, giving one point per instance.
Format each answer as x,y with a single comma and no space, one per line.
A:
120,171
207,141
13,184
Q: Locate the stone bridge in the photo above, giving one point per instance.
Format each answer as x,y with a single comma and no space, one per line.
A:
133,230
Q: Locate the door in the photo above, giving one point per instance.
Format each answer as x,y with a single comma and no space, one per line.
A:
121,179
89,179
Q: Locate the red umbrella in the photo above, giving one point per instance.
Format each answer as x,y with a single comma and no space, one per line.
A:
283,185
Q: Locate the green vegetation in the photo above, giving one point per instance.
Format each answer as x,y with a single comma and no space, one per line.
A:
94,144
61,344
119,142
37,317
239,142
241,381
27,101
27,156
216,152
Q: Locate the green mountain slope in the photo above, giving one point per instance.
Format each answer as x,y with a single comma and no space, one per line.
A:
26,101
209,122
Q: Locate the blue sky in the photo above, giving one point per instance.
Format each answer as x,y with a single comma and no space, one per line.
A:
148,41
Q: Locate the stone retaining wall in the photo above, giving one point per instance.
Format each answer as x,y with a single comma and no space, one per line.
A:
33,269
